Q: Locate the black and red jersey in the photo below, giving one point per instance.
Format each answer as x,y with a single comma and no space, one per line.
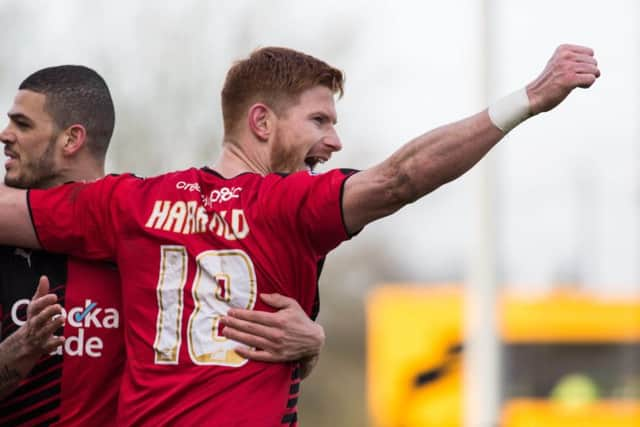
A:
78,384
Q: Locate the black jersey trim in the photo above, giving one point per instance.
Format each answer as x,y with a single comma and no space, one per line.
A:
48,422
30,415
290,418
46,362
295,374
32,384
295,388
315,310
210,171
17,402
33,223
349,173
291,403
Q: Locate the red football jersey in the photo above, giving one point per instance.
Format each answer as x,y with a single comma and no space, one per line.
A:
189,245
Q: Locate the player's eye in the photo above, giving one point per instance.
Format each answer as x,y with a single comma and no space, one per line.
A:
22,124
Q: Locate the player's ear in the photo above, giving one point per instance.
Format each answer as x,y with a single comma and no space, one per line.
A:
260,119
75,136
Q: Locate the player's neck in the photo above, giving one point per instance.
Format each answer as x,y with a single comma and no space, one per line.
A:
235,160
83,173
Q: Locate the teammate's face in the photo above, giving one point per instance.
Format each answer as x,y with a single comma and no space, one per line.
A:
29,142
305,133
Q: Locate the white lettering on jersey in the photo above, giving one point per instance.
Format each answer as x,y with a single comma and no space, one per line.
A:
221,195
189,186
83,319
189,218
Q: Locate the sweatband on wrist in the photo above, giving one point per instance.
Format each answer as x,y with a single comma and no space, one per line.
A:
509,111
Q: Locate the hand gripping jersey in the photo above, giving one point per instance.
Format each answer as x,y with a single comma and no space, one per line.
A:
76,385
189,245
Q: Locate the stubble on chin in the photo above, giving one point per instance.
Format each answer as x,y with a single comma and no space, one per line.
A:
284,159
39,173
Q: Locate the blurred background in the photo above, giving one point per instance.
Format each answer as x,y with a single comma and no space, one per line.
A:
561,191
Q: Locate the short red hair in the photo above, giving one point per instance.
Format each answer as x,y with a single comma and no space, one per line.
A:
275,76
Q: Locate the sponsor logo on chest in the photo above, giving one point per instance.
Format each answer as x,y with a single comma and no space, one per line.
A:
84,320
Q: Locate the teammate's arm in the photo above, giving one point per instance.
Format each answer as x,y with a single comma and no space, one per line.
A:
445,153
20,351
286,335
16,228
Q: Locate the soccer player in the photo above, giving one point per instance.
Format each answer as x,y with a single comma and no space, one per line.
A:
59,129
192,244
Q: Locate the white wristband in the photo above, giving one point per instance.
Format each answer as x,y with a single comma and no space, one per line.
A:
506,113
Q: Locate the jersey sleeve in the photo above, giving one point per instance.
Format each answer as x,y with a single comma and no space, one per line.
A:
310,207
78,218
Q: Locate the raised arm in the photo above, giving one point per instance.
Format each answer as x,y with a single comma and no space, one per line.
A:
447,152
16,228
20,351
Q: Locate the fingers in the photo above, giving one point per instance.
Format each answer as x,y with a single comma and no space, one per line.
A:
46,322
258,317
583,50
586,73
39,304
576,59
584,68
50,343
42,298
288,334
259,348
43,287
241,330
250,340
570,66
42,326
586,59
44,318
585,81
276,300
258,355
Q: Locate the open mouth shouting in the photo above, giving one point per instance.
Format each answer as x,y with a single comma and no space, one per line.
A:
313,161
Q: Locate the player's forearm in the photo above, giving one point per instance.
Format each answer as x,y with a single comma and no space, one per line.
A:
418,168
309,361
15,222
438,157
307,365
16,361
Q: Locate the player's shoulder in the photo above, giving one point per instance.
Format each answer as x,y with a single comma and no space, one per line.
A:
190,174
164,180
193,180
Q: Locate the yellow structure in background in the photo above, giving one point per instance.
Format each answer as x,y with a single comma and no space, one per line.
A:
414,373
569,317
410,331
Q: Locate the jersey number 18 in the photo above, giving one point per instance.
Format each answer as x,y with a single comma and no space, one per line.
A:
223,279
